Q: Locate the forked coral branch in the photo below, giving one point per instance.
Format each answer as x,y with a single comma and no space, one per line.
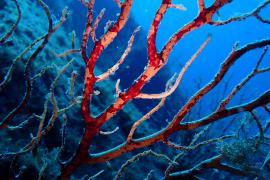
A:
157,58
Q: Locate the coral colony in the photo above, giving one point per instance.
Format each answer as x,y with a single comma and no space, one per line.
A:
70,103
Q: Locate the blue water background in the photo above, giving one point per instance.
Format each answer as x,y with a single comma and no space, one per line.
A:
207,64
223,40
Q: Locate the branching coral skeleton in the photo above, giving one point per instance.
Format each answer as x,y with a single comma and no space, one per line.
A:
156,61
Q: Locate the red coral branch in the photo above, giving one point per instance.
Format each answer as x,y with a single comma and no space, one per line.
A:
156,61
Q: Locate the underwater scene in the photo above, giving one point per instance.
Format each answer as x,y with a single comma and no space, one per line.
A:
134,89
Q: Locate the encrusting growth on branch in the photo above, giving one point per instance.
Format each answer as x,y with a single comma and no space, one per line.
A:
178,79
65,54
138,157
113,69
192,147
178,6
151,112
106,133
99,17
